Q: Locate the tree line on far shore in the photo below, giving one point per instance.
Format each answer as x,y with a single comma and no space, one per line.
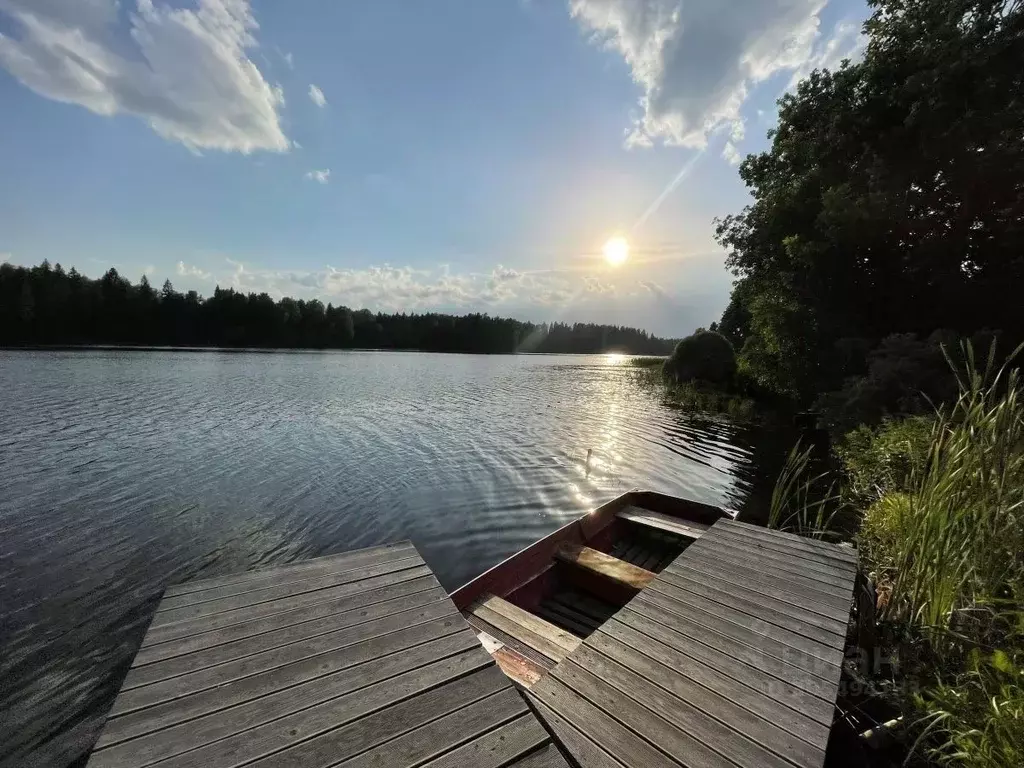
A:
45,304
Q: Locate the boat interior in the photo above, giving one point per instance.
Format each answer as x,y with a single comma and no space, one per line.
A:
537,606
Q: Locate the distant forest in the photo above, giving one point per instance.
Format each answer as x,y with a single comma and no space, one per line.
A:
48,305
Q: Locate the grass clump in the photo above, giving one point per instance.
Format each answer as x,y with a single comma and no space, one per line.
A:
977,717
802,503
955,540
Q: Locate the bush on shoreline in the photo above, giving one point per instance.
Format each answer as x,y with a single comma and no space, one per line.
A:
693,395
704,356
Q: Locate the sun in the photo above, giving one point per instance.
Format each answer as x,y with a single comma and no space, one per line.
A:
616,251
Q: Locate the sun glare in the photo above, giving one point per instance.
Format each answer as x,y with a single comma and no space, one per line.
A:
616,251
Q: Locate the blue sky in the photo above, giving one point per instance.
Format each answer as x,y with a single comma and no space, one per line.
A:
457,155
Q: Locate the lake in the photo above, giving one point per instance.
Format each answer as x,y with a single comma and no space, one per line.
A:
124,471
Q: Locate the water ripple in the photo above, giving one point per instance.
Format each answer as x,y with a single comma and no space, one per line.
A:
123,472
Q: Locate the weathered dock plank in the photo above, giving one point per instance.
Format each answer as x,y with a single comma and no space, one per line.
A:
730,657
352,659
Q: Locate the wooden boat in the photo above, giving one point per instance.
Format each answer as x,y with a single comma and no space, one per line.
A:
532,609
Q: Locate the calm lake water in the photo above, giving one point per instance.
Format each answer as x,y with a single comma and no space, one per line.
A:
123,472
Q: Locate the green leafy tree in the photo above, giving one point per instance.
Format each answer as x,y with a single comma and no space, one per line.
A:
891,198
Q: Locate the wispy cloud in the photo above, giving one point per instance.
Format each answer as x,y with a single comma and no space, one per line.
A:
190,270
320,177
185,71
391,288
287,58
317,96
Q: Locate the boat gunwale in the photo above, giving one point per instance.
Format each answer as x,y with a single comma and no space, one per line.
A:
536,558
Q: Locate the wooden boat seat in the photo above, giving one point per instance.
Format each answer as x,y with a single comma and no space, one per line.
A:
688,528
618,571
540,635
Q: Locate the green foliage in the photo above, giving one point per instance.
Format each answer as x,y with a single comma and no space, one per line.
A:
978,716
886,525
775,353
944,540
705,356
889,201
905,376
886,459
735,325
691,396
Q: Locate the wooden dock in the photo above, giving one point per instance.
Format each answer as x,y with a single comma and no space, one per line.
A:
730,657
357,659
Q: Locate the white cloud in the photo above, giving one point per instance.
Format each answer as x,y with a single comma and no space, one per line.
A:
731,154
317,96
390,288
185,71
320,177
696,60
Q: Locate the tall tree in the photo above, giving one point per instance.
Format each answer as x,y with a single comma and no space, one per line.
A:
892,197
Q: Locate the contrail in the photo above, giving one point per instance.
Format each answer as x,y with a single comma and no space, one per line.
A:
687,167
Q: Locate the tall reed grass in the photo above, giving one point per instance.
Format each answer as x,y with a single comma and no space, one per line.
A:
953,544
945,546
803,503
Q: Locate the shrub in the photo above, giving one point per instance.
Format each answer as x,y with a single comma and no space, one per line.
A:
903,376
884,459
705,356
